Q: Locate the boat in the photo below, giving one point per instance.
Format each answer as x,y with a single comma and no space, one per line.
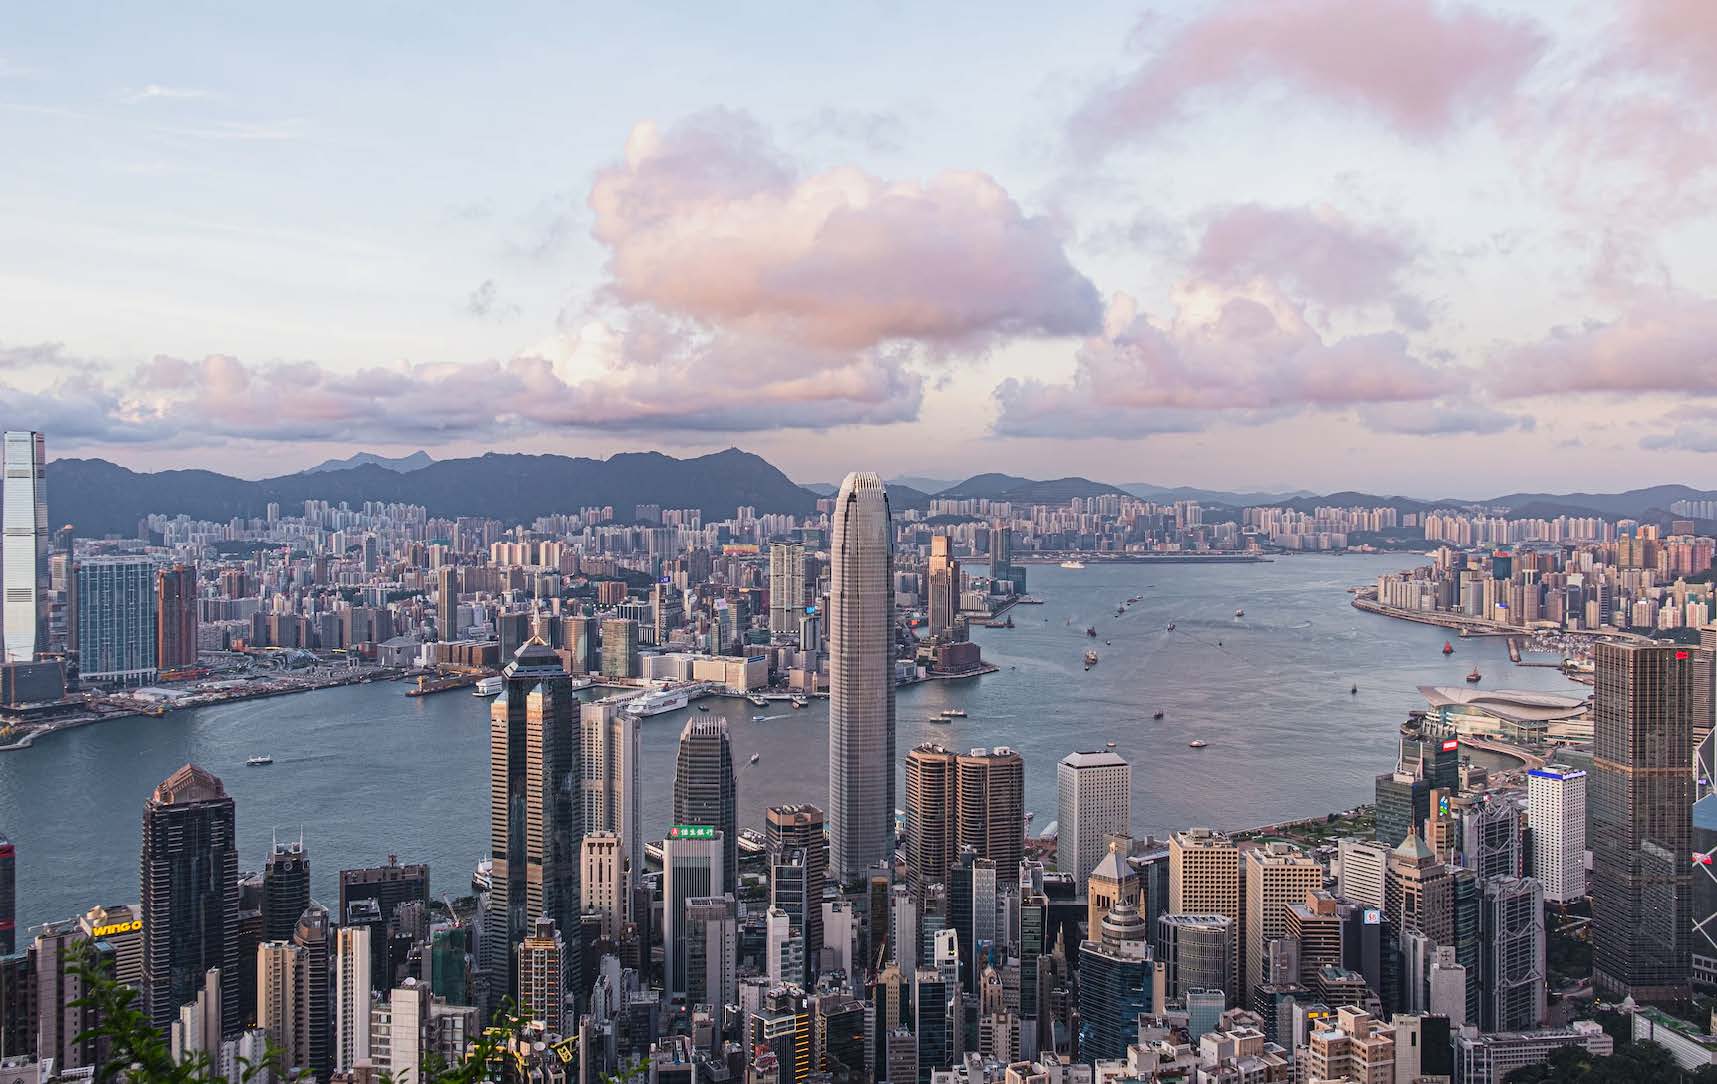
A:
1475,677
1106,643
1009,623
1196,744
757,700
259,760
1448,648
755,757
943,719
489,686
953,713
653,851
1091,631
1354,691
759,718
799,702
703,707
751,842
1171,626
657,702
483,877
1109,744
1075,563
1158,715
1239,613
1090,659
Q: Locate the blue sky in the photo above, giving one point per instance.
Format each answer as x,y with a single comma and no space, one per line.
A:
1395,245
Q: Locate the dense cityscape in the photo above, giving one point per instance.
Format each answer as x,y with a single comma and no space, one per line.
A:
1470,922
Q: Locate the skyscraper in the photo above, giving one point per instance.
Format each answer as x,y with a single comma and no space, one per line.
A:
1094,800
711,950
1511,954
786,587
613,784
542,990
1204,879
1641,796
602,881
861,679
282,988
789,829
313,936
943,574
176,617
285,890
691,868
703,786
116,620
351,1027
24,555
989,798
1556,817
620,647
8,897
930,797
535,811
190,895
1278,875
447,603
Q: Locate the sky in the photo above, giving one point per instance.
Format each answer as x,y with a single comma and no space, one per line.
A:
1394,245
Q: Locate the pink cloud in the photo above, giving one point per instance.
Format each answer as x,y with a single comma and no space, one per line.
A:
707,220
1417,64
1221,356
1316,253
1668,344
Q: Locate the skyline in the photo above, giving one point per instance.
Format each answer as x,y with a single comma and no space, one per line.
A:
1117,250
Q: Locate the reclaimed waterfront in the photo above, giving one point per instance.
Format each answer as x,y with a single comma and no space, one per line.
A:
364,771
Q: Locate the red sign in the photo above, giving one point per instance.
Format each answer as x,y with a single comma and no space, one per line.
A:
1681,656
1451,745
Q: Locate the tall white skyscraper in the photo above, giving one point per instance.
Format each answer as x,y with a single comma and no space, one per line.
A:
1556,817
351,996
691,869
861,679
24,551
613,793
786,587
1094,801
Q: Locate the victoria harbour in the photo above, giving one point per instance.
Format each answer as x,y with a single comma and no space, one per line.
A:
364,771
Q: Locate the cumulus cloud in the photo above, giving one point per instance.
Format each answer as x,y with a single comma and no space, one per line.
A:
1315,253
29,355
1418,64
1666,344
1243,357
1684,438
707,219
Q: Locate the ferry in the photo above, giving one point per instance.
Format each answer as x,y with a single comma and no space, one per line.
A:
653,851
755,757
259,760
1196,744
483,877
1091,631
1239,613
1157,716
1171,626
943,719
757,700
799,702
657,702
1090,659
751,842
489,686
1448,648
953,713
1475,677
1075,564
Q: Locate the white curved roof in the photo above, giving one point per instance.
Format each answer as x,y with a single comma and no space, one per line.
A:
1517,705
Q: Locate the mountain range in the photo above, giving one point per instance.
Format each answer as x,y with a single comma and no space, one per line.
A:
100,498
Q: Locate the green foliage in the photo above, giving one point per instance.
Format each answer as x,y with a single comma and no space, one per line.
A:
1637,1063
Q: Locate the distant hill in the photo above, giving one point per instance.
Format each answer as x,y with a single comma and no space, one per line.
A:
405,464
821,489
1648,503
932,486
100,498
1164,494
1009,487
902,497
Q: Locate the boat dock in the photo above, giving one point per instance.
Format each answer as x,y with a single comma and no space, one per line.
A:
427,686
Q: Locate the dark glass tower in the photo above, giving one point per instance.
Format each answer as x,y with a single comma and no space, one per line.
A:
190,895
8,897
703,786
1641,819
799,828
285,890
535,814
313,935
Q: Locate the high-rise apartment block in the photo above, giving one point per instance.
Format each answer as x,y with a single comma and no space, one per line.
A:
1556,817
